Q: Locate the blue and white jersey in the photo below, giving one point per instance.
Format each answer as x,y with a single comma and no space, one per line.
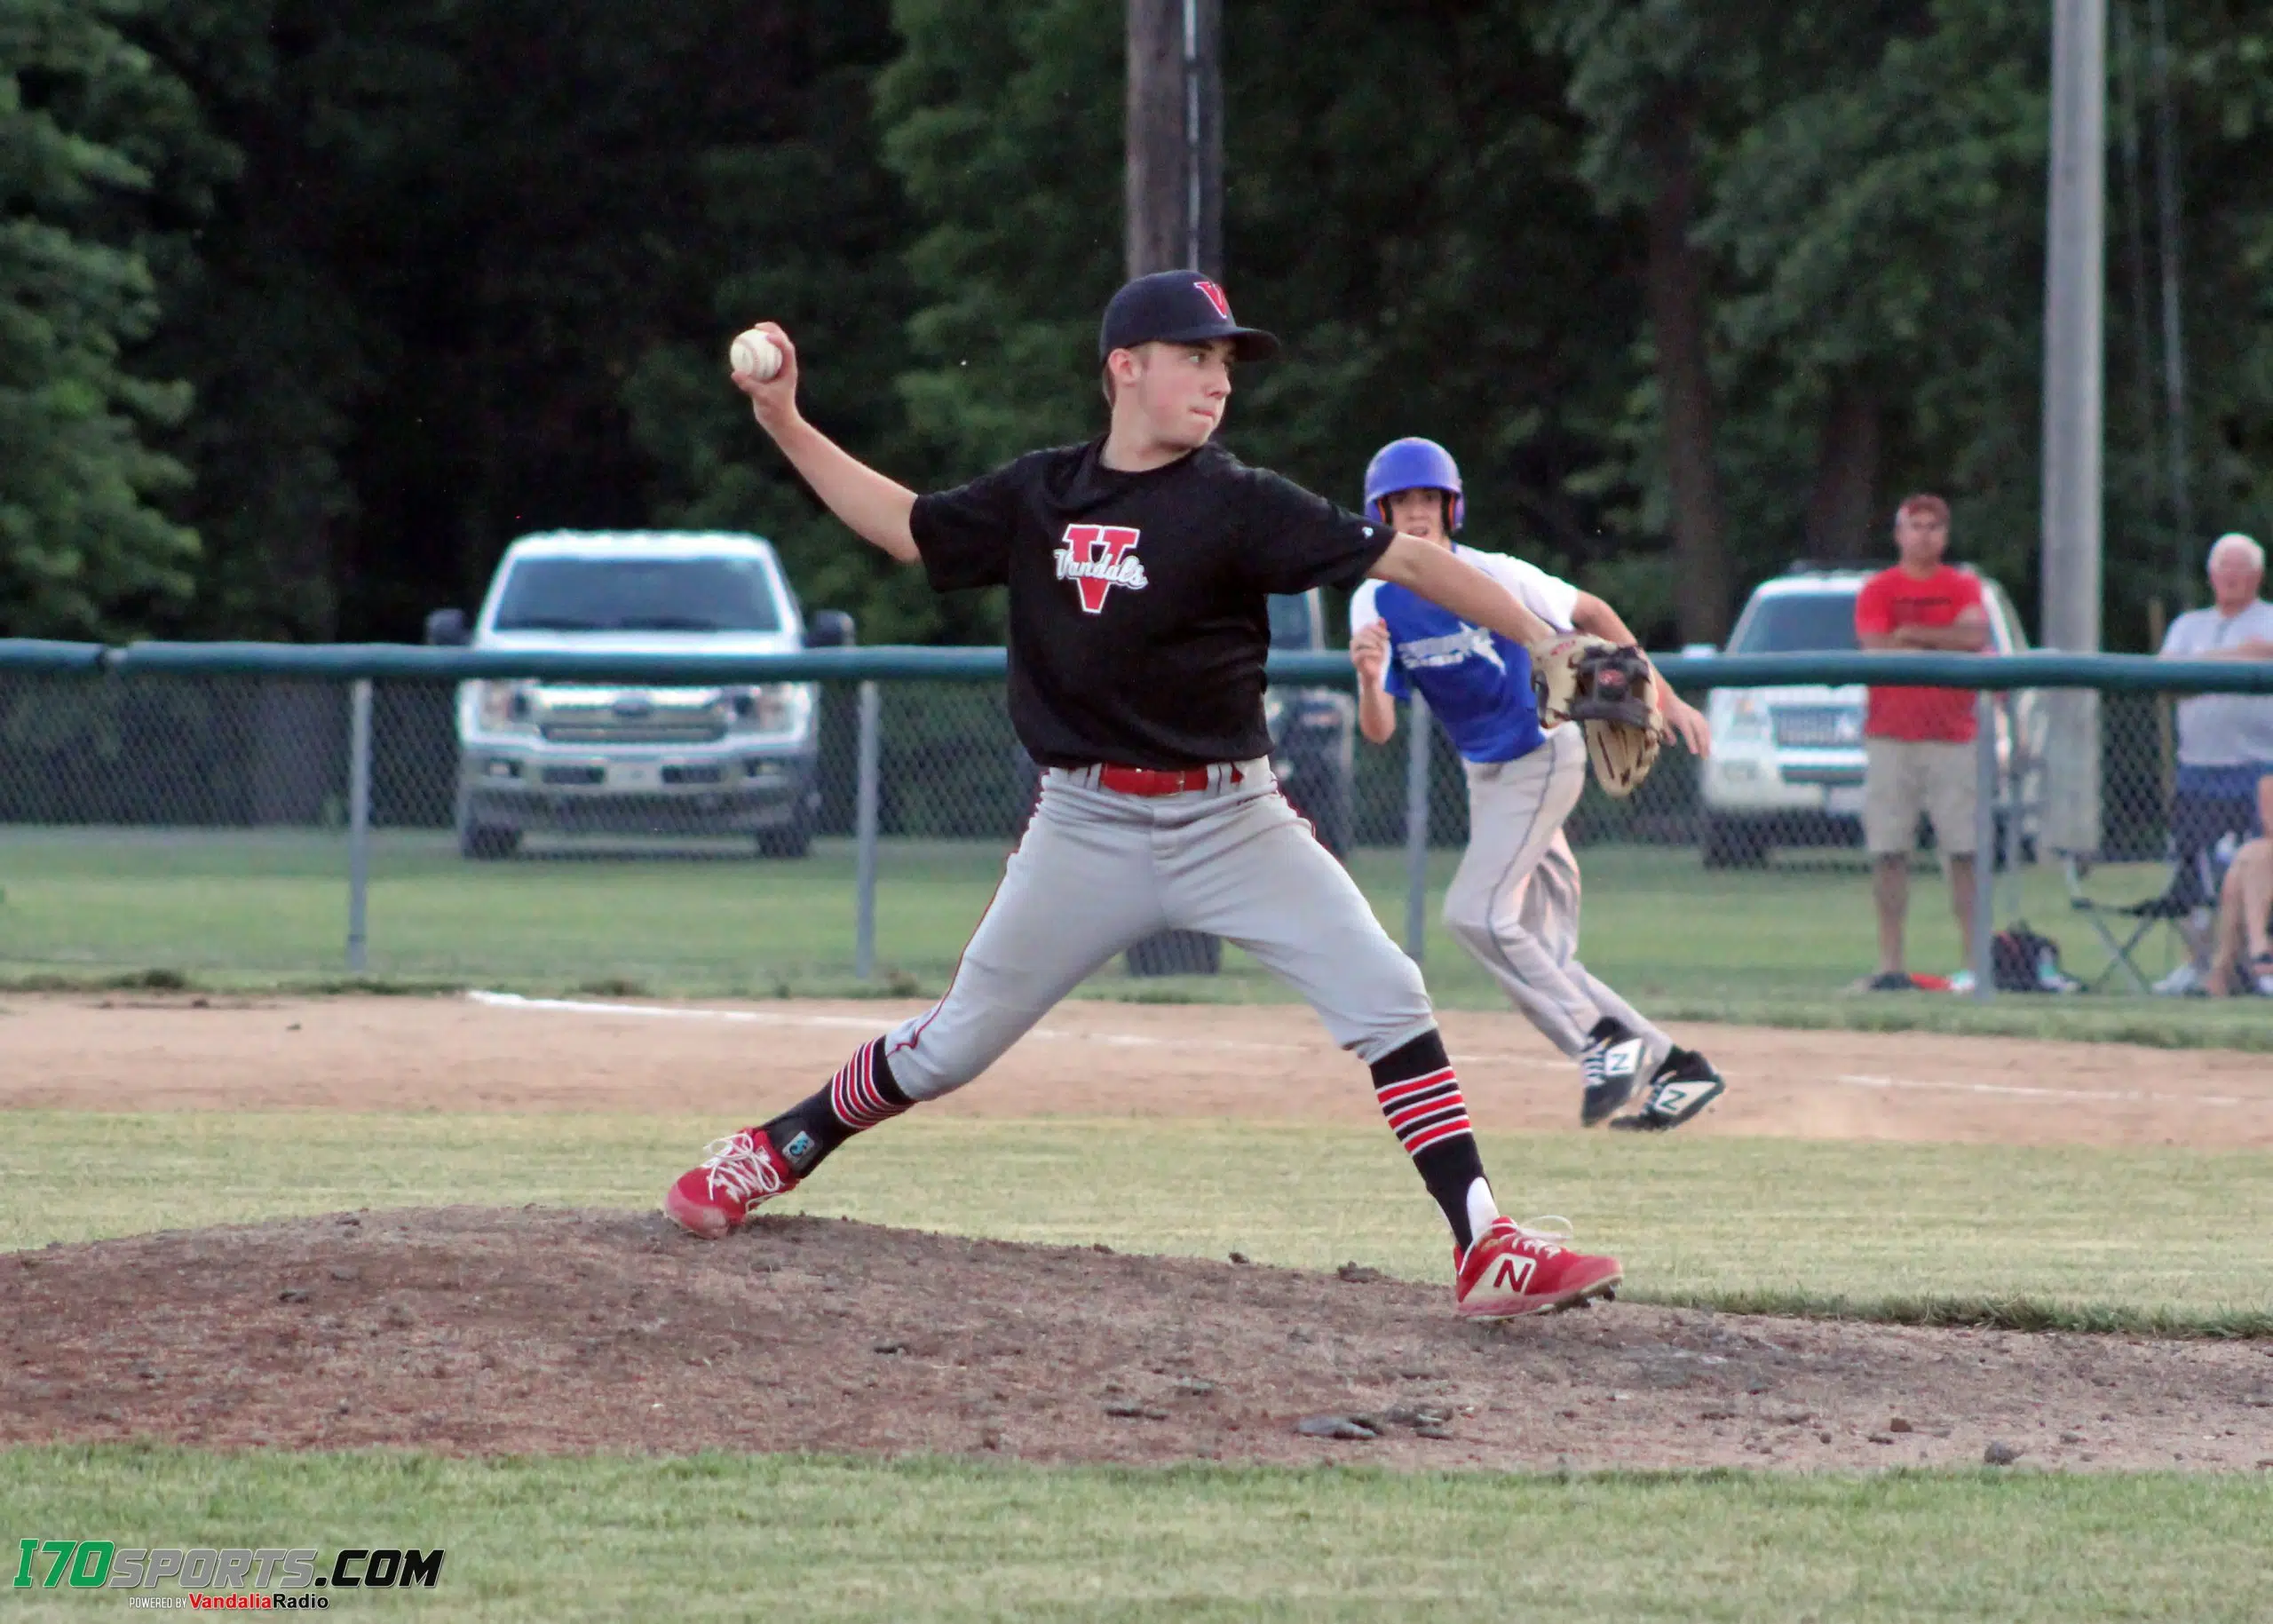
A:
1476,681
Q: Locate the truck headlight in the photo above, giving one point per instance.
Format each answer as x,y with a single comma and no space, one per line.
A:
504,706
771,708
1748,720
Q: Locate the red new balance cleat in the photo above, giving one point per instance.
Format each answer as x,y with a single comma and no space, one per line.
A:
738,1174
1514,1270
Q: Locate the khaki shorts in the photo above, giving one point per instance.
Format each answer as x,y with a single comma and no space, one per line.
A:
1904,779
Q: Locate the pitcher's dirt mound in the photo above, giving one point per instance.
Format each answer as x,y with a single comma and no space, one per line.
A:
481,1331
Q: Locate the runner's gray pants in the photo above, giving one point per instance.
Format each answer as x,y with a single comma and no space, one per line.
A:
1513,902
1099,871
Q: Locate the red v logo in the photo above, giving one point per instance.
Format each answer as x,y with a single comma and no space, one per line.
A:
1098,558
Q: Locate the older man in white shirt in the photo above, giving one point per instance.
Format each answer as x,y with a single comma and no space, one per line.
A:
2224,793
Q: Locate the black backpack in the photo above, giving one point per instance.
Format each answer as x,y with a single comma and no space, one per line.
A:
2022,961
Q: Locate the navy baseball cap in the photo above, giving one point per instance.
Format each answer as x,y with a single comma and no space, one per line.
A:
1177,307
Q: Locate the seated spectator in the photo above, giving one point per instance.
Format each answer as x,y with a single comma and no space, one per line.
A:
2242,959
2244,956
2225,744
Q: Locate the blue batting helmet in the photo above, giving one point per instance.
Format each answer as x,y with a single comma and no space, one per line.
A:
1412,464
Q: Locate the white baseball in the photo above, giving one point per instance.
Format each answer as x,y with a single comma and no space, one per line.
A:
757,355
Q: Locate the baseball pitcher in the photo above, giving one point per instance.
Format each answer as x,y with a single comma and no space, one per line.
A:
1139,568
1514,901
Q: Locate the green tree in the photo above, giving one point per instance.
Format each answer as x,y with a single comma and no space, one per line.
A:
1644,76
1883,220
1675,281
814,231
470,246
2222,87
1411,225
265,309
86,550
1004,125
1404,203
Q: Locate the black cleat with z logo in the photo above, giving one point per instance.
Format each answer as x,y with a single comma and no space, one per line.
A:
1682,1086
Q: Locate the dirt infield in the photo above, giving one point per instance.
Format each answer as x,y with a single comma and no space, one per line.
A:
472,1331
476,1331
1086,1059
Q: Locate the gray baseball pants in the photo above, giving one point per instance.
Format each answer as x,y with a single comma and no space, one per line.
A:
1514,901
1099,871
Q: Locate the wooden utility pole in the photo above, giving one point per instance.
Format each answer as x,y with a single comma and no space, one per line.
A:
1174,143
1175,136
1680,322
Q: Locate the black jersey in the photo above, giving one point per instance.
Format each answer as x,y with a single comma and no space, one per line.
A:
1139,602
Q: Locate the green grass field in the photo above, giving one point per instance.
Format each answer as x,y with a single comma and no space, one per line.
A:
2138,1239
736,1537
2141,1240
1777,946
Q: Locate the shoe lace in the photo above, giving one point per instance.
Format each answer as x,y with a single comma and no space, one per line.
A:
1538,1232
735,1164
1537,1229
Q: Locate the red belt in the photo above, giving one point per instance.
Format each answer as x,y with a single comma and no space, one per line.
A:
1155,780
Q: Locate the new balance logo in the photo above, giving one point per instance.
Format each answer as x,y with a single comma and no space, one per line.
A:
1098,558
1513,1272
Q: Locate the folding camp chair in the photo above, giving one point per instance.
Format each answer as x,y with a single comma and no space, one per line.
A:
2192,892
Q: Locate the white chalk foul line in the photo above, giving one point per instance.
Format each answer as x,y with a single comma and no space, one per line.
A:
2019,1091
848,1023
656,1011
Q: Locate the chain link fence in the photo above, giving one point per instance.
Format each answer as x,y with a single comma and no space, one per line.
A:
843,836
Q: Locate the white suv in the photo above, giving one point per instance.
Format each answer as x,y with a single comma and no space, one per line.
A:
626,758
1786,766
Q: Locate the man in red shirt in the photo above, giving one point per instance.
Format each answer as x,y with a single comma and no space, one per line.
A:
1919,740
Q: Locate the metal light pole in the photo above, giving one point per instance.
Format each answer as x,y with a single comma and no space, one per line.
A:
359,825
866,798
2073,277
1419,725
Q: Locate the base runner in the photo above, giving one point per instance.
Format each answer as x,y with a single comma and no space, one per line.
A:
1139,568
1514,901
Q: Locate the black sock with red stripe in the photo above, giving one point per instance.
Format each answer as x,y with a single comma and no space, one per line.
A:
859,1097
1421,1096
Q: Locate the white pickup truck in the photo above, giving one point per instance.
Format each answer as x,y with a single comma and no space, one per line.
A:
617,759
1786,766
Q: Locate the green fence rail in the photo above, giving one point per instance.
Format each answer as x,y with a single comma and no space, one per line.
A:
397,662
40,654
912,745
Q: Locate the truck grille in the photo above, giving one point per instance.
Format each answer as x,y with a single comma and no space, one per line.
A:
1835,777
1818,727
634,732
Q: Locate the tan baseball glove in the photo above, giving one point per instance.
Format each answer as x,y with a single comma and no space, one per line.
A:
1612,694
